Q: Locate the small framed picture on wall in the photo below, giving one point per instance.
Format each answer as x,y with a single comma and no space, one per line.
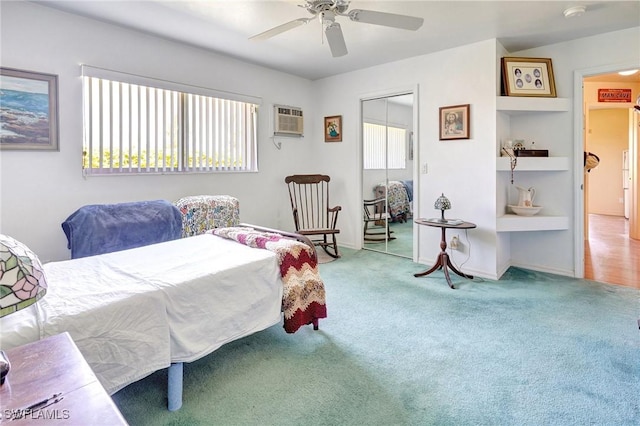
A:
333,128
528,77
454,122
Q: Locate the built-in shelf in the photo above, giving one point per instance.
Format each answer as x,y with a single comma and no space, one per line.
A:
515,223
534,107
516,104
524,164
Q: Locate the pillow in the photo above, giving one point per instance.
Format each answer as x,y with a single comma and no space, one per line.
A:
201,213
22,279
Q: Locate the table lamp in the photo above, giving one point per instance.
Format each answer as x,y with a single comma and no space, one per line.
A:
22,283
442,204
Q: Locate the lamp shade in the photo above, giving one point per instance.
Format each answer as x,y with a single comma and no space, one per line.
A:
442,204
22,279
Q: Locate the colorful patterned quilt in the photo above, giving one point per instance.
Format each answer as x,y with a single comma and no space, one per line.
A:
203,212
303,299
397,198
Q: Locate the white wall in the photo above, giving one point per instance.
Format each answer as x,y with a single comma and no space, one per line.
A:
554,250
503,180
463,169
607,137
40,189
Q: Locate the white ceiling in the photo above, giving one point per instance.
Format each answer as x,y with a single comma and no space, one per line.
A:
224,26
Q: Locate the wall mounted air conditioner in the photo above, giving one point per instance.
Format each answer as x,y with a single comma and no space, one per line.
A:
289,121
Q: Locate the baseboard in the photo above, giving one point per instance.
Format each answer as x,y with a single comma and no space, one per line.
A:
349,246
540,268
465,269
503,268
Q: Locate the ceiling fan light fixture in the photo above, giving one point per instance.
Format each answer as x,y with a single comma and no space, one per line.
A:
572,12
335,38
628,72
327,10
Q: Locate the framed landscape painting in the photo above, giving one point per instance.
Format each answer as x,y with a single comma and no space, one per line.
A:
28,110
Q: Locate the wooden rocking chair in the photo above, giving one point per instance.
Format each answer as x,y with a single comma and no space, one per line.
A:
376,221
312,216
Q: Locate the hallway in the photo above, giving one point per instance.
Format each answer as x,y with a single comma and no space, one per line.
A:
610,255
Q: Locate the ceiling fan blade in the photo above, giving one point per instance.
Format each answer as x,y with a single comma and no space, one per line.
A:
387,19
336,40
280,29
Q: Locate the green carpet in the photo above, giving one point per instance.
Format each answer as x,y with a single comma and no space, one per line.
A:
530,349
401,245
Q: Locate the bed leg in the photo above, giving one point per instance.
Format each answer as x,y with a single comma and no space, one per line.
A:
315,323
174,386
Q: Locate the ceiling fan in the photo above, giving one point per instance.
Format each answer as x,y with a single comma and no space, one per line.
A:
326,12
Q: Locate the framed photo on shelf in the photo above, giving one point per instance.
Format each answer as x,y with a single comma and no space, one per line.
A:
333,128
29,113
454,122
528,77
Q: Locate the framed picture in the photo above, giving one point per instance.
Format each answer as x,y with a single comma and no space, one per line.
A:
333,128
528,77
454,122
29,113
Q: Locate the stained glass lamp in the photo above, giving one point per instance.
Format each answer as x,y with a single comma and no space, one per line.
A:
22,283
442,204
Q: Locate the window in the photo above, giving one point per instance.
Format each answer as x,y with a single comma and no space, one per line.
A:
384,147
135,124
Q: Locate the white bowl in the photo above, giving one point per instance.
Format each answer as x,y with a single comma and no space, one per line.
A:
525,211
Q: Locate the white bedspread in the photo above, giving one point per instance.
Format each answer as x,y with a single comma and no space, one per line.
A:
135,311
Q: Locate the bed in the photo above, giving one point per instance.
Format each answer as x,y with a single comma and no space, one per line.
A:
138,310
399,196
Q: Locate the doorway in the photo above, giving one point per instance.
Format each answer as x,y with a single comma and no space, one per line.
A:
388,159
611,255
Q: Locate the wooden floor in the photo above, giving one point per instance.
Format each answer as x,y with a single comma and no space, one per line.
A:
610,255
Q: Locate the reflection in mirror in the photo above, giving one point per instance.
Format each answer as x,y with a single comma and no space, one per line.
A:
387,175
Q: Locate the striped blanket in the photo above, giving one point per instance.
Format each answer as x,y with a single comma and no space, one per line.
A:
303,299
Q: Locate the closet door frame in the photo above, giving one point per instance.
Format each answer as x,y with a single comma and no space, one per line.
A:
383,94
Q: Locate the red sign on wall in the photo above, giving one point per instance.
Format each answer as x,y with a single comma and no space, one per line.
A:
614,95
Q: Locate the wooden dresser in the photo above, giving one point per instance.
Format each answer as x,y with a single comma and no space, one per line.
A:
43,369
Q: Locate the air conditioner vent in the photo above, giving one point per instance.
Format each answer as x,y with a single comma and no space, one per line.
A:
289,121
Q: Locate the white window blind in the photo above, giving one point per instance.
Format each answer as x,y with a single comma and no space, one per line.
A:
134,124
384,147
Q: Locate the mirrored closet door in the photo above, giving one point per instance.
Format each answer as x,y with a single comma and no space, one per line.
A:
387,174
